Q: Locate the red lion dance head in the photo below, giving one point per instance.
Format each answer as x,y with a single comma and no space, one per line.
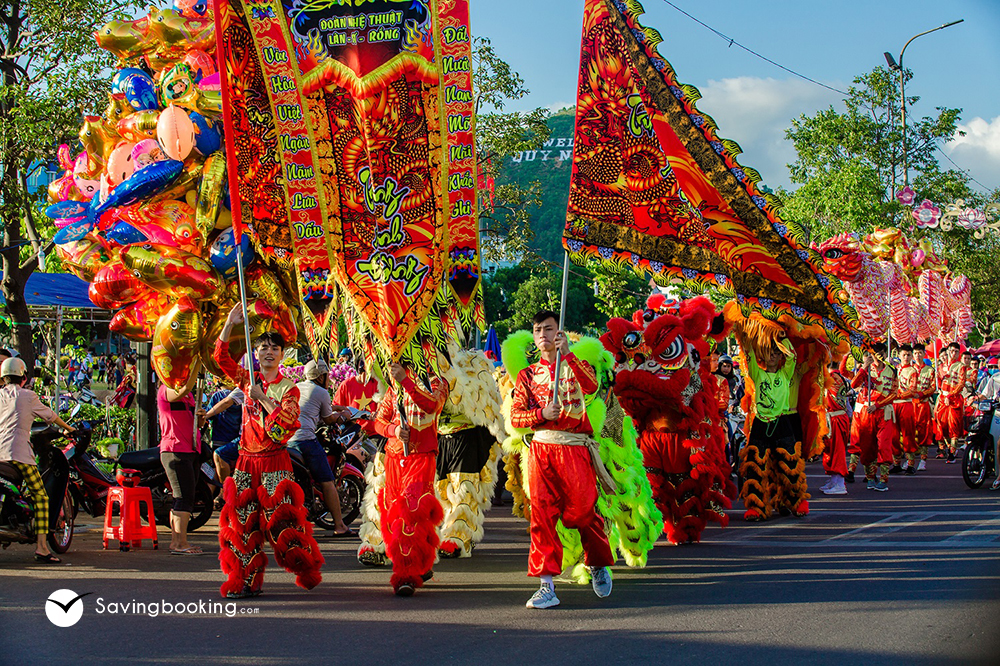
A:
661,379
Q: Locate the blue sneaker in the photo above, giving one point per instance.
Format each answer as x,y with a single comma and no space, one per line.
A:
881,486
600,577
871,484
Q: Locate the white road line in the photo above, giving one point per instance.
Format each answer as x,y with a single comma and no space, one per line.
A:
828,543
879,528
980,534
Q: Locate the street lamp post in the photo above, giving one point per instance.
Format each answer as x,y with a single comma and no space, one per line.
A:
893,65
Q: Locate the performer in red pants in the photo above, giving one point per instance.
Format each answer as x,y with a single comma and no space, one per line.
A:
951,402
875,429
562,479
409,509
838,412
924,388
262,498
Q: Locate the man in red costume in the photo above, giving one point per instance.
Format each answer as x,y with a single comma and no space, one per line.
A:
951,403
562,482
409,509
838,413
902,409
262,498
919,424
873,429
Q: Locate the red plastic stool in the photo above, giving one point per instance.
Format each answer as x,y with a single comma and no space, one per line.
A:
129,496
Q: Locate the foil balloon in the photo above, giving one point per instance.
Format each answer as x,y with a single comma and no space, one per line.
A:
142,184
137,321
262,283
74,231
120,164
211,83
193,8
99,138
125,39
167,223
223,253
86,185
119,78
210,193
264,318
237,339
185,184
176,339
200,63
70,210
124,233
171,31
83,258
207,139
175,132
176,83
139,126
140,91
146,152
172,270
116,285
118,108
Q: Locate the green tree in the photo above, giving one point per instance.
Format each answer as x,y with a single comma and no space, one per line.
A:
850,163
506,220
51,69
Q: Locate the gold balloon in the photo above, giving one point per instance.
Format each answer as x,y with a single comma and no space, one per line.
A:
172,270
210,193
176,340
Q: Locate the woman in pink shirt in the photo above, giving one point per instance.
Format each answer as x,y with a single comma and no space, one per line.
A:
179,455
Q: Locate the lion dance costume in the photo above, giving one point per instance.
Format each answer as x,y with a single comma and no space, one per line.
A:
409,510
664,383
262,498
631,519
786,416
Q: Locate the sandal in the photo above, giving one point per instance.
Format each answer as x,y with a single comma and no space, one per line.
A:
47,559
996,485
349,534
190,550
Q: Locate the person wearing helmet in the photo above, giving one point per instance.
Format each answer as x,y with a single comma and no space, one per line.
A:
19,407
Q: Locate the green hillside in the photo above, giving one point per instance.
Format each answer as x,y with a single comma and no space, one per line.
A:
551,166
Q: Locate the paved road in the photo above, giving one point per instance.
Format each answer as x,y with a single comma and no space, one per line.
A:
911,576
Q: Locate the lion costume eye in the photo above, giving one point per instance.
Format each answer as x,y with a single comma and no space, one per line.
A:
675,355
632,340
833,253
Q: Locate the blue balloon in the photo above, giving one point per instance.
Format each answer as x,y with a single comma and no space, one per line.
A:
74,231
122,75
143,183
140,91
207,139
67,209
124,233
223,253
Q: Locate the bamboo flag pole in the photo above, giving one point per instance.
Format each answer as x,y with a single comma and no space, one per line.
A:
562,319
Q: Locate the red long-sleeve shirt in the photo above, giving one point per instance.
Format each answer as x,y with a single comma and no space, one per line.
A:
422,409
262,432
533,390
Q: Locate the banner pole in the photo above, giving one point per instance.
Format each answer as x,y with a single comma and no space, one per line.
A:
246,315
562,319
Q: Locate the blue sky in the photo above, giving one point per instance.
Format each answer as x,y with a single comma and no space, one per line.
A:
753,101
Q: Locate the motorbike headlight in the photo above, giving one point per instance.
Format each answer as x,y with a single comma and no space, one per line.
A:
984,405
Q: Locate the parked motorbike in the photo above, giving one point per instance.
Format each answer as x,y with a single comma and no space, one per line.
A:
17,519
978,463
88,483
154,477
349,450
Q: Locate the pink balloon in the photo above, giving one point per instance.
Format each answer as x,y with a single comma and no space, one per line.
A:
917,258
120,166
146,152
175,132
88,186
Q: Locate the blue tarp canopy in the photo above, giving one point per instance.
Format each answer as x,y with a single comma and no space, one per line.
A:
51,289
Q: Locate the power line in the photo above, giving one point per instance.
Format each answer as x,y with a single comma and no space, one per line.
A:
733,42
965,171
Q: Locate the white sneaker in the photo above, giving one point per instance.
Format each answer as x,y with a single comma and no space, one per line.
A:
906,465
600,577
544,597
826,486
836,486
922,466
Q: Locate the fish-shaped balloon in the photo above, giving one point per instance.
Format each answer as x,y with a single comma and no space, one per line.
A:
83,258
174,271
176,340
137,321
143,183
125,39
116,287
213,182
139,126
169,30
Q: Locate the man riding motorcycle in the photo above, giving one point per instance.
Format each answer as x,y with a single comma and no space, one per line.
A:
19,407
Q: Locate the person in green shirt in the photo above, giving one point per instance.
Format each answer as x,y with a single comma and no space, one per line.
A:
774,437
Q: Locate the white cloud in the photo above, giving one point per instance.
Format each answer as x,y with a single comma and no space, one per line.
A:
755,113
976,148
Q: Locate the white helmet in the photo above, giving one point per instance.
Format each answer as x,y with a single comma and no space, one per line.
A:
13,367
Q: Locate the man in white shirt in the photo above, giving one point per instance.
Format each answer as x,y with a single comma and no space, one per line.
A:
315,405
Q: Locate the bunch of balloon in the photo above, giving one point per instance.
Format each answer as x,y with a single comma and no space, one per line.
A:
143,211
